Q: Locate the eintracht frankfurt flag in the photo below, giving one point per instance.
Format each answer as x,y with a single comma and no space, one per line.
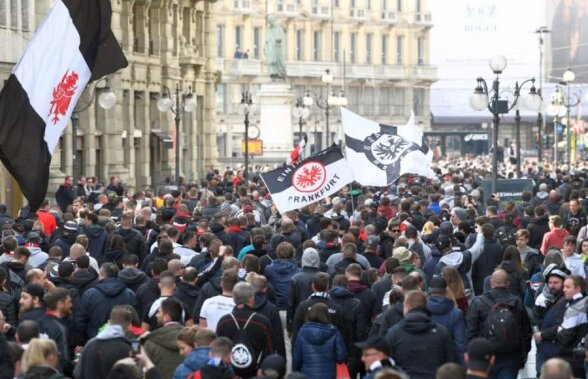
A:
308,181
379,154
72,46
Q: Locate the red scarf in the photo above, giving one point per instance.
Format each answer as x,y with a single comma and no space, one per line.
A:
236,229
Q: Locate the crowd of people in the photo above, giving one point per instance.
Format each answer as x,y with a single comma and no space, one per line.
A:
427,278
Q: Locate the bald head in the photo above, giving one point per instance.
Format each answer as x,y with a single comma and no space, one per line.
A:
556,368
499,279
176,266
76,251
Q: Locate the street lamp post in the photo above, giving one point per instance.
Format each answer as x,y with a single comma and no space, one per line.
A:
247,106
332,100
106,100
178,106
479,101
301,112
568,78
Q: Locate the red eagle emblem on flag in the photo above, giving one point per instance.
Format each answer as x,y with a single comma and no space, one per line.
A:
309,177
62,95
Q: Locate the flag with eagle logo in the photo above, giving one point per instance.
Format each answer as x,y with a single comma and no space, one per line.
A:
379,154
73,45
307,181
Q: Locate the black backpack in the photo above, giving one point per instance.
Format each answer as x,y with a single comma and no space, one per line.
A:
244,358
501,327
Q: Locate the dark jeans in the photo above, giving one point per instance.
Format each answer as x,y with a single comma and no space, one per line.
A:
505,368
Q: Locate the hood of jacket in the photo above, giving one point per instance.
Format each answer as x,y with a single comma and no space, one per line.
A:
131,275
111,332
83,277
542,195
111,287
340,292
93,231
69,238
317,333
221,371
543,220
197,357
215,227
166,336
127,232
189,289
35,250
439,305
114,254
560,232
355,286
284,267
453,259
260,300
417,321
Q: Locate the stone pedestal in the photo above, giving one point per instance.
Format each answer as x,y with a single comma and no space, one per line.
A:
275,101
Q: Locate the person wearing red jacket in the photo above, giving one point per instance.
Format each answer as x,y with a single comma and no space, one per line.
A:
556,235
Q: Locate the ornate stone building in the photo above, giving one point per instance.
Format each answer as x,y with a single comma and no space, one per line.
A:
376,50
167,43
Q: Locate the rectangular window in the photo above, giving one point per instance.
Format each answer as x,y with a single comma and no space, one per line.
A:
220,41
3,13
353,48
221,97
24,11
384,5
384,49
337,46
399,48
316,46
300,44
369,4
368,48
256,42
398,101
14,14
418,101
418,6
420,50
399,5
238,36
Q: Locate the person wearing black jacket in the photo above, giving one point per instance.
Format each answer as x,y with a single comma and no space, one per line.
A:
269,310
548,313
97,236
355,320
418,344
507,364
313,225
59,306
538,227
301,283
8,303
109,346
130,274
186,290
488,260
149,291
65,194
134,241
320,287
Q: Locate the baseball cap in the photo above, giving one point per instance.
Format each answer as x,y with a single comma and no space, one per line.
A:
372,242
375,342
273,366
479,353
438,284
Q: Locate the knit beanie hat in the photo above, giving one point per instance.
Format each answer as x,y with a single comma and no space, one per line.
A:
310,258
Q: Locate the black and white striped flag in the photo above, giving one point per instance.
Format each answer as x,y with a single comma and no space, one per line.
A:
73,45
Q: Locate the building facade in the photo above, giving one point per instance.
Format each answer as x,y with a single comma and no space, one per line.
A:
168,44
377,52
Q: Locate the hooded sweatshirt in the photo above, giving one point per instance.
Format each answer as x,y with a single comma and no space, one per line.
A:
101,353
160,345
38,256
554,238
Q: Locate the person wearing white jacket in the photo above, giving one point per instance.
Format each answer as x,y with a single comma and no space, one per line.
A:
572,260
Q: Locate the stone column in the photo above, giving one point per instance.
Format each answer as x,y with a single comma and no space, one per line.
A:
275,100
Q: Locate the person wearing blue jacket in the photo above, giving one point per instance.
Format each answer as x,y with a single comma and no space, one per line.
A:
279,274
95,305
319,346
199,356
444,311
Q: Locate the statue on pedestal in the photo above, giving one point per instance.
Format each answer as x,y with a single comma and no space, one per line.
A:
275,48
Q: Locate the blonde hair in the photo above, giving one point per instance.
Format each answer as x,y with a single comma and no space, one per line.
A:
454,282
38,352
428,228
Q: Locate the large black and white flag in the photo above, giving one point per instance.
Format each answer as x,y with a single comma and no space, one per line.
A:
379,154
73,45
309,180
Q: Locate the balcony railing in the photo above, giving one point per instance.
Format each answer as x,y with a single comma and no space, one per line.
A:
358,14
243,6
422,18
424,72
288,9
389,17
322,12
